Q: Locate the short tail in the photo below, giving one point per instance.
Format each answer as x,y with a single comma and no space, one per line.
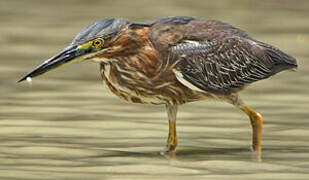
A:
280,60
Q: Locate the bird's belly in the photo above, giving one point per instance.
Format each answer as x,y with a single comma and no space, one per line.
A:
132,96
164,91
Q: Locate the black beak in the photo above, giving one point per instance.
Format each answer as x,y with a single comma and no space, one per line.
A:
67,55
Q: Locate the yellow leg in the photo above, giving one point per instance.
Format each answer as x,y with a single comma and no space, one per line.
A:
255,119
257,124
172,137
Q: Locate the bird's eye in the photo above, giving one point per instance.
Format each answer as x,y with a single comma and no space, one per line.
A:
98,43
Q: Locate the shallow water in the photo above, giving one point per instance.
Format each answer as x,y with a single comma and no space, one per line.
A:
66,125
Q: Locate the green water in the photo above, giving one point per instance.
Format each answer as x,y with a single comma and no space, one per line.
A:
66,125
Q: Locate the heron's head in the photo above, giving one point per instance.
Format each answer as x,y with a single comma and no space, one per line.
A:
100,41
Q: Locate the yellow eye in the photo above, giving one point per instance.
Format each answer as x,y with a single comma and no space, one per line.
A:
97,43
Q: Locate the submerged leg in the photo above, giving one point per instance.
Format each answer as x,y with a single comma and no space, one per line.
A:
172,137
255,119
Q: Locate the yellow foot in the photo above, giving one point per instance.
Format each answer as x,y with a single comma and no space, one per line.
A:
169,155
170,148
257,156
166,152
256,153
256,148
169,152
171,145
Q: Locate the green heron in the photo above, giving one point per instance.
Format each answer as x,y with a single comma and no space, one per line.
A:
175,60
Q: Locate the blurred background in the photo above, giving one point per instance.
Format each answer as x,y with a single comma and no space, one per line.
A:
66,125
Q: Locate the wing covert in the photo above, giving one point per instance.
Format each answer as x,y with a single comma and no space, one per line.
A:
221,66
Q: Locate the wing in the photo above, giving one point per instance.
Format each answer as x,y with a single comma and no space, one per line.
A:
223,66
